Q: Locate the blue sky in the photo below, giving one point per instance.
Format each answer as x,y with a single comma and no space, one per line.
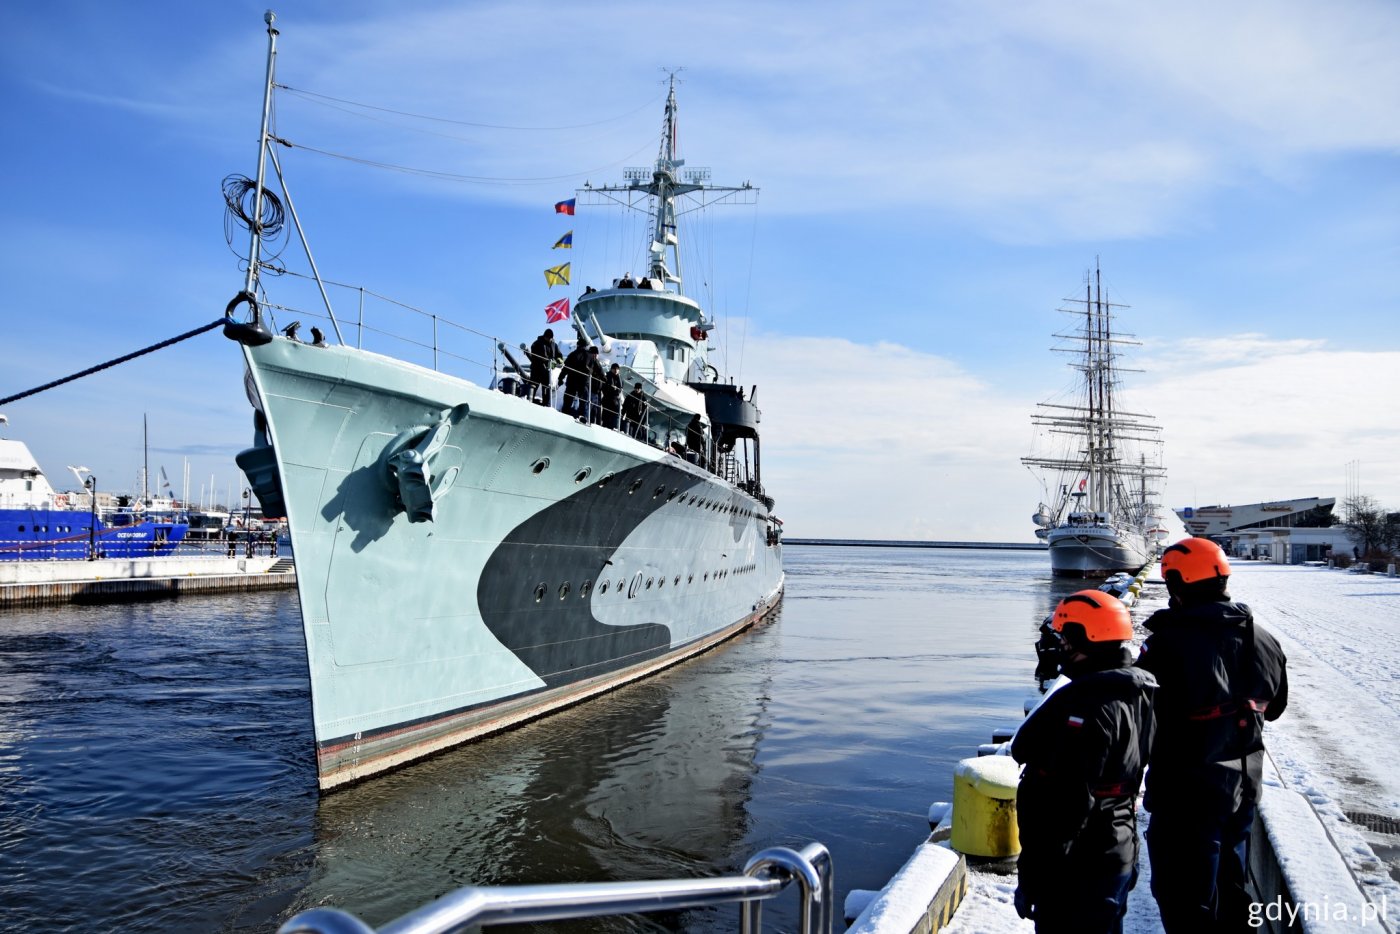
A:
936,177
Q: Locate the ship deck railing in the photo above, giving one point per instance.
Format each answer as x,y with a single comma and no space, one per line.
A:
766,875
438,343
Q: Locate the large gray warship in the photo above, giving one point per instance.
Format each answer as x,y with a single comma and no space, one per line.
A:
468,559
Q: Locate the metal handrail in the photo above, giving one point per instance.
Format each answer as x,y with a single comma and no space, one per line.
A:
765,875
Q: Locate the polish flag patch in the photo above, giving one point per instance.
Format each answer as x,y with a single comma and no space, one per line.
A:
1075,722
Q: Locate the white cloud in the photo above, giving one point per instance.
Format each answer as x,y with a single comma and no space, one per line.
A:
1282,424
1025,121
881,441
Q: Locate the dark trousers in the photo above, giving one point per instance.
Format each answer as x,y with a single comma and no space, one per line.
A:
539,387
609,409
1200,863
575,402
1077,903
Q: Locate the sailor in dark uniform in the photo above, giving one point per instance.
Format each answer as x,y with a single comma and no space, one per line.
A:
544,352
1222,677
1084,750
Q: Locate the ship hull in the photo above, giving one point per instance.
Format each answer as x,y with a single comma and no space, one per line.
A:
1095,551
560,559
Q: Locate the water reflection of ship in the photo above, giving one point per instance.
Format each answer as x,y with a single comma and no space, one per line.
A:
652,781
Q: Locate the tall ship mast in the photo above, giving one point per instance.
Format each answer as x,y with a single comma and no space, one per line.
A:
1099,464
470,556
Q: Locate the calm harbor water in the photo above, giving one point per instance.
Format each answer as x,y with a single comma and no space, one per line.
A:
156,768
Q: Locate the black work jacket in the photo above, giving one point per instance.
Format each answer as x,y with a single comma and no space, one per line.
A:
582,370
1084,750
1221,677
634,406
611,390
543,352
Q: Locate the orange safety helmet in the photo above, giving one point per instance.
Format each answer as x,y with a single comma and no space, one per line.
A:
1102,616
1194,559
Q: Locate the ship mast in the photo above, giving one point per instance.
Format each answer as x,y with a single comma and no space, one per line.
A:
1096,421
666,182
663,182
255,228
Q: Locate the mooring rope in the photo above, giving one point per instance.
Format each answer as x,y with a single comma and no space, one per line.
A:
111,363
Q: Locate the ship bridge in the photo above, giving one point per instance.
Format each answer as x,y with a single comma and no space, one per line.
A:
647,312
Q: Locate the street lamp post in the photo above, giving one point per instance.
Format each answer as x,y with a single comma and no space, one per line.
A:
247,530
91,484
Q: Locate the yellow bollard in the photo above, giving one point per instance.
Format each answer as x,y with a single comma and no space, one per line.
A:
984,807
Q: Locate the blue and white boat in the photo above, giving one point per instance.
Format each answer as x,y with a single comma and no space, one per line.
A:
38,523
468,559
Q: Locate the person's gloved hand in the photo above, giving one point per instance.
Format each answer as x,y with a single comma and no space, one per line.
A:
1023,904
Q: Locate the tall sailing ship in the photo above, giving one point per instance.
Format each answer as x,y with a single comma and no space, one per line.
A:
469,559
1100,464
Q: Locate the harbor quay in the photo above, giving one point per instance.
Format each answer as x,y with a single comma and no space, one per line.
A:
42,583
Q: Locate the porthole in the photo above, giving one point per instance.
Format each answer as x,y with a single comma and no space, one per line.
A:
707,575
540,466
621,583
661,583
585,589
677,581
672,495
636,485
563,590
603,587
650,581
605,479
691,501
690,578
540,591
659,491
583,474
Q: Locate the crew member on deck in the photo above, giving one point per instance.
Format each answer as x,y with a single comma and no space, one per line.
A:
634,409
544,352
695,441
581,368
610,396
1084,750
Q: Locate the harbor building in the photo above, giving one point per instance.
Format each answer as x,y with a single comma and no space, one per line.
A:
1290,531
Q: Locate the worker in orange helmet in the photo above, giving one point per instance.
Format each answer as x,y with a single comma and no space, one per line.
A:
1084,749
1221,677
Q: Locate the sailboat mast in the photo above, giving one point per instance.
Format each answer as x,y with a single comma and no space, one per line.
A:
1092,415
145,462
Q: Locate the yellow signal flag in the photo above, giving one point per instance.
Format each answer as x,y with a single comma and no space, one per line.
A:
557,275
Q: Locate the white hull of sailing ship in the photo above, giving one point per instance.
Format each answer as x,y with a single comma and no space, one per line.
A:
1099,516
468,558
1096,550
